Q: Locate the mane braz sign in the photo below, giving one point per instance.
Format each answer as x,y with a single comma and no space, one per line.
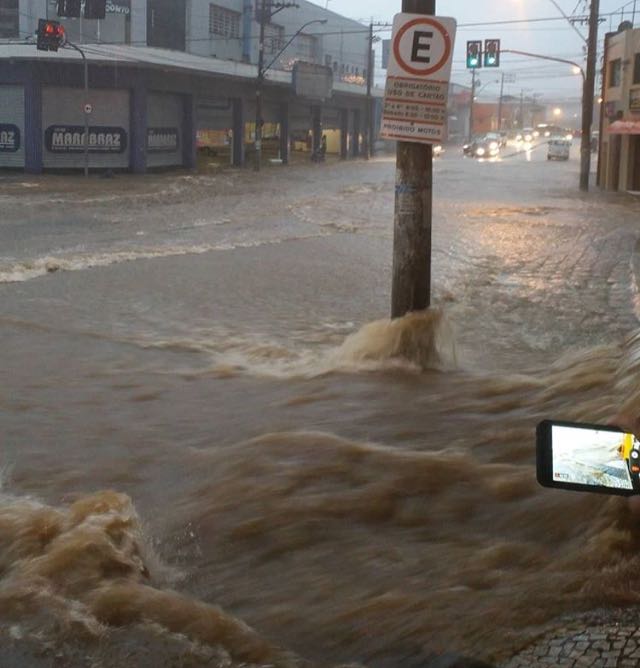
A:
9,138
70,139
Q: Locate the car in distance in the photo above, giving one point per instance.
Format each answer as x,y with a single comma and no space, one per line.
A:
482,146
558,148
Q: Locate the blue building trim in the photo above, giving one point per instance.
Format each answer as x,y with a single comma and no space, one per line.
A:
138,126
247,20
33,125
238,120
189,127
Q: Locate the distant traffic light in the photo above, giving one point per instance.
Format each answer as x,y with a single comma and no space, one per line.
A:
69,8
492,53
50,35
95,9
474,54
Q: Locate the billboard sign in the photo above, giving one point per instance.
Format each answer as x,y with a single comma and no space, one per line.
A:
312,81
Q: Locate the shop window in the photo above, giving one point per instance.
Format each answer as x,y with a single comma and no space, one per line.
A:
615,73
306,47
273,38
9,25
224,22
636,69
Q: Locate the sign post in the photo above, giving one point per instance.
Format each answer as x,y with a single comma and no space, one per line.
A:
415,113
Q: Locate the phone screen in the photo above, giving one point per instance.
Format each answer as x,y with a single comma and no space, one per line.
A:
598,457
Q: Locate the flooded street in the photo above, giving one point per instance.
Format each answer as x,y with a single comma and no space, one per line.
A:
215,350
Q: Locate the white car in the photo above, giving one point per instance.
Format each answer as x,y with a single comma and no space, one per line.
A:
559,148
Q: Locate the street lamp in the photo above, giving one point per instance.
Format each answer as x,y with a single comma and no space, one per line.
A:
262,70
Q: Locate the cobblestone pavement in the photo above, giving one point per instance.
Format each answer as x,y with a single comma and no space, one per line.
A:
603,639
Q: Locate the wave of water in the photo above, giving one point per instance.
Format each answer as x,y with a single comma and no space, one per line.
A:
69,574
417,342
25,270
418,546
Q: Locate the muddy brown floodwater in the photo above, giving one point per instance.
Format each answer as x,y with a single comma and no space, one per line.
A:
216,449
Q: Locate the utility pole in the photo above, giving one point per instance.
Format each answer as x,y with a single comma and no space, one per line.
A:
259,86
588,91
267,9
369,152
411,288
522,109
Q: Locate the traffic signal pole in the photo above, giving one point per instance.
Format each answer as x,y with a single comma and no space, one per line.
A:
411,286
471,103
86,107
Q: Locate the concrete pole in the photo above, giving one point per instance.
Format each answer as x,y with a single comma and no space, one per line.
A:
369,117
411,288
259,87
588,91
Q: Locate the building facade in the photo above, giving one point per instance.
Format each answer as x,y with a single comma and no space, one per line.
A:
167,77
619,155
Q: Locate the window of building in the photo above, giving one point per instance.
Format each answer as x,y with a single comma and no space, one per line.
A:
636,69
335,67
224,22
615,73
306,47
273,38
9,25
327,59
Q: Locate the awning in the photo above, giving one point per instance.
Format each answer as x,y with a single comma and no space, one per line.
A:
624,128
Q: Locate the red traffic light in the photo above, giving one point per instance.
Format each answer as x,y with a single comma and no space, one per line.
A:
50,35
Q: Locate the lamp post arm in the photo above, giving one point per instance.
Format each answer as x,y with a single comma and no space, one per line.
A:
541,57
284,48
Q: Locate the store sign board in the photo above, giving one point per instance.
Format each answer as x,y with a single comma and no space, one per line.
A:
9,138
70,139
417,89
634,100
163,140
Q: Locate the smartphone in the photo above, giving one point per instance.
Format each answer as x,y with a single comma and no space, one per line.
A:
587,457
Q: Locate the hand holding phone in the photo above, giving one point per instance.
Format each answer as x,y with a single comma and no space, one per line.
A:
587,457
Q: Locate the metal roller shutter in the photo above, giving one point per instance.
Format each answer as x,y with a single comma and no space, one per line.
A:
12,126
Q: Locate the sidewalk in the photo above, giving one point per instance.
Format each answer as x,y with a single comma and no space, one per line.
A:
598,639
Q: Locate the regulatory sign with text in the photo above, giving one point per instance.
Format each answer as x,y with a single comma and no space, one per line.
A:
417,89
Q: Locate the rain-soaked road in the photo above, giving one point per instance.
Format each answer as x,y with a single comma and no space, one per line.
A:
214,349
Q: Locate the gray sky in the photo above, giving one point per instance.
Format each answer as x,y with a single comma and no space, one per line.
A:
552,38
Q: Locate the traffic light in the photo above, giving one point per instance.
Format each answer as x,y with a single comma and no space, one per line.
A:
69,8
474,54
95,9
50,35
492,53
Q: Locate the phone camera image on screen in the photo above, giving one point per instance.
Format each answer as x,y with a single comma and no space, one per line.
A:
602,458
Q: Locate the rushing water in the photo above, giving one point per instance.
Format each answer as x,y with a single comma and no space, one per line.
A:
203,405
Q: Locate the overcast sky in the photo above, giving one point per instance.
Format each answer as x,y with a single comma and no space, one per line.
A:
551,38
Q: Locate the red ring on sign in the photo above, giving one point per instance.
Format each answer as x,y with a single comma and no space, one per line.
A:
400,35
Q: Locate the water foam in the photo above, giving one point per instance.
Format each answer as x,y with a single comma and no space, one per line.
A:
70,573
26,270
